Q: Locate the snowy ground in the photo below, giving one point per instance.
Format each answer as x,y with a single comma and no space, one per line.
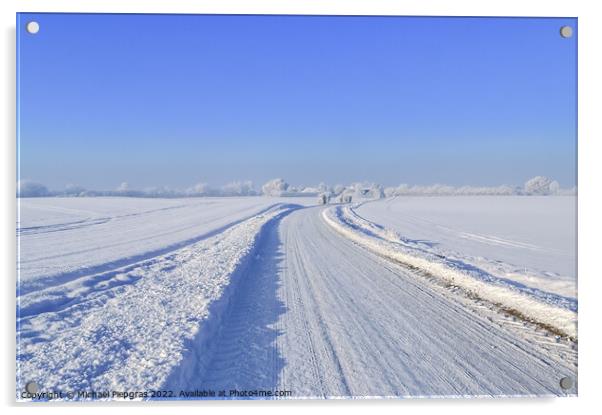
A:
532,239
466,241
61,239
259,294
131,326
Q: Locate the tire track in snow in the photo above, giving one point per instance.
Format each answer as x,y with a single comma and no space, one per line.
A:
234,349
52,278
327,366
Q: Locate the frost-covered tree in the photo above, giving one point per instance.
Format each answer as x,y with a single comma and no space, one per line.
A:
389,191
123,187
338,189
324,188
162,191
74,190
439,189
554,187
199,189
244,188
540,185
377,191
28,188
367,190
488,191
275,187
444,190
402,189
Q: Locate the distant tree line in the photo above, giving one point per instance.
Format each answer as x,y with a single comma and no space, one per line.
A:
539,185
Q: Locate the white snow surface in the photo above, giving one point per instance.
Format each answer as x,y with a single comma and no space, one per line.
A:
529,239
128,328
261,294
64,238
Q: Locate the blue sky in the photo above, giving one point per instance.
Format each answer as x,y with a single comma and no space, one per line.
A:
174,100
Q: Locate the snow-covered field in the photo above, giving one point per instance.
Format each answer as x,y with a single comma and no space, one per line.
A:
61,239
518,252
533,236
531,240
131,326
273,294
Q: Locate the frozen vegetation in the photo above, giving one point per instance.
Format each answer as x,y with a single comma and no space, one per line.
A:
538,185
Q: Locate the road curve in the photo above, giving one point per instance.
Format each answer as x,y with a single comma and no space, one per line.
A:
319,316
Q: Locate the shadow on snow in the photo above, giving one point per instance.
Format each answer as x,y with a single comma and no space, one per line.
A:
235,347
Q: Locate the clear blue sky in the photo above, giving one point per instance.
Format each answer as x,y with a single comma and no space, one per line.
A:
172,100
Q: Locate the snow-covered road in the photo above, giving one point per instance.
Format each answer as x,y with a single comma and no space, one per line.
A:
283,301
322,317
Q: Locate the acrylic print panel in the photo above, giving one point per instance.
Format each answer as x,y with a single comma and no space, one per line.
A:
276,207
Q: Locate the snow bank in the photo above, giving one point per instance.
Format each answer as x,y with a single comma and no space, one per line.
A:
547,309
130,329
